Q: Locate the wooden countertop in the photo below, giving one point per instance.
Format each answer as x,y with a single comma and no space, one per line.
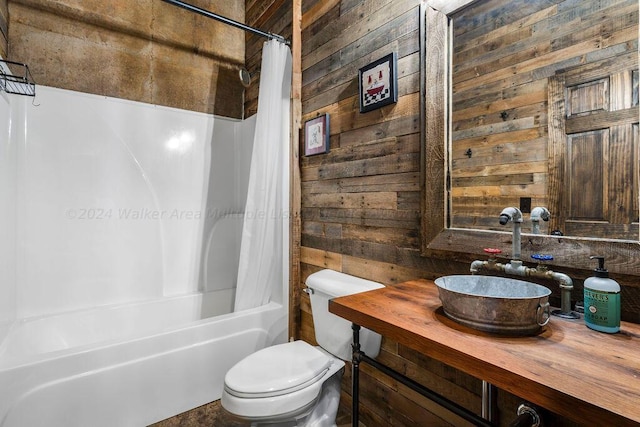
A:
587,376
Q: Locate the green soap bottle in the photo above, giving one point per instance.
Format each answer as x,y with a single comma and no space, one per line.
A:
602,300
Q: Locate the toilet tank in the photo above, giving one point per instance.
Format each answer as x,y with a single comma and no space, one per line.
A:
333,333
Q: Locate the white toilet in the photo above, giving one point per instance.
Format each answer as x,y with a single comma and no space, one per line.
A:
297,384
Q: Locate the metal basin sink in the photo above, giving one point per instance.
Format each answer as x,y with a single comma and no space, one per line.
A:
495,304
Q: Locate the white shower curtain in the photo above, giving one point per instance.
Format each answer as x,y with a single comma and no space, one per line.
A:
261,266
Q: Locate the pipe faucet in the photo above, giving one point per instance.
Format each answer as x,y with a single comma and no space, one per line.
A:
517,268
515,216
539,213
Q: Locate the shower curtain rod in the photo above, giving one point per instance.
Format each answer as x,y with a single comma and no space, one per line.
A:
227,21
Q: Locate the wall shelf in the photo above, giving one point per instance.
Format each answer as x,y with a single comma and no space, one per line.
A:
15,78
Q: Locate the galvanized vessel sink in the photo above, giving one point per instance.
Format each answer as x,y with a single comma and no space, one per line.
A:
495,304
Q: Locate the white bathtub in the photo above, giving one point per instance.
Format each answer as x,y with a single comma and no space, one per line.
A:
130,364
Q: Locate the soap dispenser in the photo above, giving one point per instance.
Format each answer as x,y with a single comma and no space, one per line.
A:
602,300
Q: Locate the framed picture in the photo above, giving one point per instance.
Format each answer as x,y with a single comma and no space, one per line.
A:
316,136
377,82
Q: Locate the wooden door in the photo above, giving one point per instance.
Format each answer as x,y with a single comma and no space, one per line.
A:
593,147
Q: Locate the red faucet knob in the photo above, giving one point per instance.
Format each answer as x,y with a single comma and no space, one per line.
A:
492,251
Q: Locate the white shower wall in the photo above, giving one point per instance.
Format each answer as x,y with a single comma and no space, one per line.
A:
114,200
7,218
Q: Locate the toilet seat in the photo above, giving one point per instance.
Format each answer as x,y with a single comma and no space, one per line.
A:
279,381
277,370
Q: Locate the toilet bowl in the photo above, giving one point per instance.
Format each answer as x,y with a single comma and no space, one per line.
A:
296,383
282,383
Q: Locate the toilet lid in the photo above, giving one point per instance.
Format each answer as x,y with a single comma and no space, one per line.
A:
277,370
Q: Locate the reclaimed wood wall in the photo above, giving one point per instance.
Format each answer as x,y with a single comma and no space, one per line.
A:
361,201
500,101
274,16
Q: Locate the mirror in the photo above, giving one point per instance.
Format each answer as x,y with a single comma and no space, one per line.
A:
508,124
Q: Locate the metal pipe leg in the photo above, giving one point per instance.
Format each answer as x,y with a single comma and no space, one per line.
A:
488,401
355,375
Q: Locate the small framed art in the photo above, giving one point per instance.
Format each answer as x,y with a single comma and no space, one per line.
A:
378,83
316,135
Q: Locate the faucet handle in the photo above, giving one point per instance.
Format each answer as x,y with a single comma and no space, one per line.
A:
492,253
542,258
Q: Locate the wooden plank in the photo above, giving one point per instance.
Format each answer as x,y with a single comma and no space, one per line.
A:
505,188
343,119
394,163
383,272
408,181
341,83
329,230
436,108
514,179
477,44
347,16
375,40
321,258
494,103
401,402
258,12
366,150
485,16
353,27
400,126
547,59
583,20
295,192
524,117
378,200
369,151
484,153
367,217
411,314
407,238
317,11
602,119
321,243
502,169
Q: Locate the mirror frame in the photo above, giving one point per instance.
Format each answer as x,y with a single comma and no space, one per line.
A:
438,239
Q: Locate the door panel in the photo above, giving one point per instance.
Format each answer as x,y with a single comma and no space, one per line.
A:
593,137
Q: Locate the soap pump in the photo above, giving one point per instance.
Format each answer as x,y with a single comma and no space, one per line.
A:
602,300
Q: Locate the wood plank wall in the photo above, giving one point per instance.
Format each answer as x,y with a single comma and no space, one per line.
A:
274,16
361,201
500,72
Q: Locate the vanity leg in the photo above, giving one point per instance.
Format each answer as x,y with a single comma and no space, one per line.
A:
355,375
489,401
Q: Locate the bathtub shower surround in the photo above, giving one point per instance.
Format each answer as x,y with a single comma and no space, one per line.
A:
7,219
121,230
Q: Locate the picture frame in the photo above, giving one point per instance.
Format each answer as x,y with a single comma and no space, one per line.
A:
378,84
316,135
